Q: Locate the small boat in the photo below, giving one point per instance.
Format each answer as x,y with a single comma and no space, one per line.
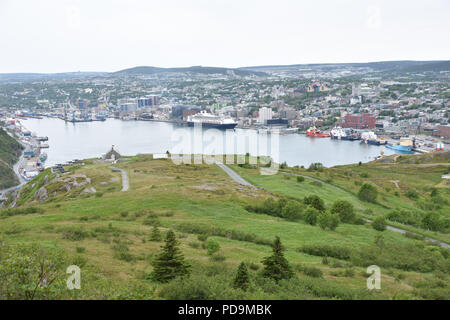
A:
43,157
314,132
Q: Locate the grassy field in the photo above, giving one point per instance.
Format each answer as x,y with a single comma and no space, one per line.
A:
108,232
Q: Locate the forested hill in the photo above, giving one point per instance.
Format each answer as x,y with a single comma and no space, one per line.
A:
10,151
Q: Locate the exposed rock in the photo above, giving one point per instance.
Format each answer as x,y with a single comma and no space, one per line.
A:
45,181
89,190
41,194
115,179
103,184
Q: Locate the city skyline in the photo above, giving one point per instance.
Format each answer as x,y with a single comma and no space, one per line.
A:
109,36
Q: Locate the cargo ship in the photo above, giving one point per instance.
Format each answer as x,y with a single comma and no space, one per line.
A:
404,146
314,132
208,120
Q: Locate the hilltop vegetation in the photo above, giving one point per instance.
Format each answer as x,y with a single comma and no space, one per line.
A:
10,151
224,234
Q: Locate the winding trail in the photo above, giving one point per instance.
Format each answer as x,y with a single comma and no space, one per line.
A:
125,180
236,177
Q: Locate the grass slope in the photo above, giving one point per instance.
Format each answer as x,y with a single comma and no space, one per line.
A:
108,233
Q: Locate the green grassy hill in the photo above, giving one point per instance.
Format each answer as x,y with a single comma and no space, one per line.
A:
108,233
10,151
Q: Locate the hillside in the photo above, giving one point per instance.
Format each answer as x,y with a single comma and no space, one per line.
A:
195,69
382,66
83,218
10,151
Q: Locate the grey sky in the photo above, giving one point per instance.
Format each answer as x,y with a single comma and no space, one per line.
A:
108,35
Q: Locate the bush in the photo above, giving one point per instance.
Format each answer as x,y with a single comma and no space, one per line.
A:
379,223
80,249
314,201
368,193
317,166
313,272
310,216
29,272
218,258
292,211
212,247
337,252
300,179
412,194
75,234
328,220
344,210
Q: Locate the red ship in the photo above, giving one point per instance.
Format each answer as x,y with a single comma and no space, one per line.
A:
314,132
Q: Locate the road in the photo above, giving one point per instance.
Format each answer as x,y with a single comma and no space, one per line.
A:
237,178
125,180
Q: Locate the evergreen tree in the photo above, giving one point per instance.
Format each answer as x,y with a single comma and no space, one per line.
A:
155,235
242,279
169,263
276,266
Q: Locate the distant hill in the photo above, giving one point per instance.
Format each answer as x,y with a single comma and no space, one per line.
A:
143,70
10,151
383,66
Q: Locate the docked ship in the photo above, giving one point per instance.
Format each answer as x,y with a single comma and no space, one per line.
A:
404,146
314,132
208,120
340,133
371,138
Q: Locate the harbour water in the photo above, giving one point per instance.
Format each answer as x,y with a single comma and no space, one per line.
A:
69,141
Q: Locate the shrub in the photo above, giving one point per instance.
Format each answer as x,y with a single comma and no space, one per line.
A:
379,223
292,210
124,214
212,247
328,220
412,194
313,272
218,258
80,249
314,201
364,175
155,235
75,234
29,272
310,216
368,193
253,266
195,244
317,166
326,251
344,210
300,179
202,237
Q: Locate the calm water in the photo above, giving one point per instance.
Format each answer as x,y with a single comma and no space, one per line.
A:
70,141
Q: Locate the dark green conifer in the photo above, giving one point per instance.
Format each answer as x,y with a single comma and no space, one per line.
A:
276,266
241,280
169,263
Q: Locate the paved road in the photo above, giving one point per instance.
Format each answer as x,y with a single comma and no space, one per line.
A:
125,181
237,178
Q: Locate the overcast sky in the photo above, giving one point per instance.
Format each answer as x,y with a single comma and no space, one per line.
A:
109,35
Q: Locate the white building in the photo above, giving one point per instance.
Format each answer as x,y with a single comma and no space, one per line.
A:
264,114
